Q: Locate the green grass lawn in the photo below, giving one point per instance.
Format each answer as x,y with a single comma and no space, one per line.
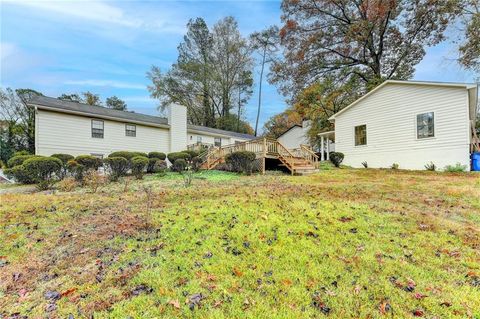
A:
342,243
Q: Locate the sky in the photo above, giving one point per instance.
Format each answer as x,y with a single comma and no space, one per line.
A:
107,47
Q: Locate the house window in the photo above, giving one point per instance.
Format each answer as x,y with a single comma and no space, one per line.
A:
97,128
199,139
100,156
130,130
425,125
360,135
217,141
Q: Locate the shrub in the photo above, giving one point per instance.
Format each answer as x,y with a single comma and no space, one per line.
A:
116,166
172,157
89,162
160,166
241,161
21,153
43,170
365,164
18,160
76,170
64,158
395,166
19,174
336,158
431,167
455,168
157,155
93,180
156,165
139,164
67,184
196,163
191,153
179,165
127,155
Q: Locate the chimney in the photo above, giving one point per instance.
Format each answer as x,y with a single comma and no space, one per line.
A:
177,119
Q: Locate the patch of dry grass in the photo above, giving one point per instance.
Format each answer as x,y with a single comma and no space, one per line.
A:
344,243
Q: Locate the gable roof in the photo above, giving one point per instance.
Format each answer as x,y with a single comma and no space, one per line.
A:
426,83
216,131
56,105
52,104
290,128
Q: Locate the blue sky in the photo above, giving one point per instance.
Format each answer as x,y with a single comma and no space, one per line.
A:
107,47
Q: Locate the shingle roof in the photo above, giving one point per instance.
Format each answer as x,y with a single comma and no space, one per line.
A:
75,107
218,131
103,112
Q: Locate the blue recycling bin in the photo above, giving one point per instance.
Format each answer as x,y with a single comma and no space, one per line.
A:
476,161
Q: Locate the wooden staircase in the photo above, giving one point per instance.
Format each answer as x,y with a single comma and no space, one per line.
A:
298,161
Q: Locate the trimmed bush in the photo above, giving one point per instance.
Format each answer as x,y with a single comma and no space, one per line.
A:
18,160
157,155
241,161
191,153
64,158
21,153
127,155
76,170
89,161
139,164
160,166
19,174
336,158
43,170
116,166
179,165
172,157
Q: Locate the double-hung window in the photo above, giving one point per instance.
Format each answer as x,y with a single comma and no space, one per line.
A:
97,128
218,141
425,125
130,130
360,135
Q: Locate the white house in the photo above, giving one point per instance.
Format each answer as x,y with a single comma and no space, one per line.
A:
76,128
410,123
296,135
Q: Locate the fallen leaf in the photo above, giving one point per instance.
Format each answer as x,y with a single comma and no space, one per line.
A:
175,303
418,312
237,272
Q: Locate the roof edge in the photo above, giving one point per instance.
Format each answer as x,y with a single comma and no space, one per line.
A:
428,83
105,117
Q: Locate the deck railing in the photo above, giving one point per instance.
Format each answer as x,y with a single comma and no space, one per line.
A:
262,147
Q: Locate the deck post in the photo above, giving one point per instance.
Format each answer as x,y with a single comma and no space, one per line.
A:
264,155
328,149
322,148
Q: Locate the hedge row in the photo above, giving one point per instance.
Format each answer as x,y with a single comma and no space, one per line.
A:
45,170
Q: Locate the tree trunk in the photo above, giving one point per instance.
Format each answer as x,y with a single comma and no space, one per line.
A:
260,90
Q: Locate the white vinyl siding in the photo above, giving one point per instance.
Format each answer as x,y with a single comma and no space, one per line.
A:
390,115
71,134
294,137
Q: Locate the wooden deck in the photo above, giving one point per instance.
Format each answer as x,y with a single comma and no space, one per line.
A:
297,161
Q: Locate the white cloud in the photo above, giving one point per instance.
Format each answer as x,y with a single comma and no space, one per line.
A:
107,83
85,9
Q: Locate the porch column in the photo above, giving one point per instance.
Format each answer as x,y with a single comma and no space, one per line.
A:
328,149
322,148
